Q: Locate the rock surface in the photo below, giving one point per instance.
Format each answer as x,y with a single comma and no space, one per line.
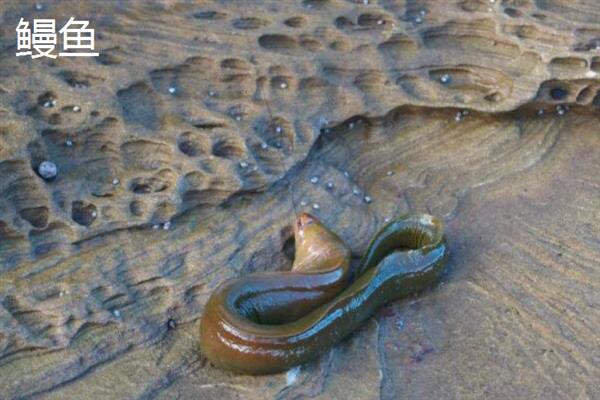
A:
185,149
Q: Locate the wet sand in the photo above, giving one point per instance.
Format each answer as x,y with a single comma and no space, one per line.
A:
186,148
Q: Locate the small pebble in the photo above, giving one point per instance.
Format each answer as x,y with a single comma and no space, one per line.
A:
49,103
68,142
264,145
117,313
540,112
39,6
351,125
155,226
314,179
303,203
356,192
47,170
389,173
278,129
167,225
212,93
418,20
76,108
316,206
283,85
560,110
171,324
387,219
346,174
368,199
446,78
172,89
458,116
365,2
116,181
329,185
243,164
94,214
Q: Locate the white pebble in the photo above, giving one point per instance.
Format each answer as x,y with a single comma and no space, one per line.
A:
117,313
283,85
212,93
329,185
560,110
351,125
368,199
167,225
278,129
303,203
172,89
446,78
76,108
69,142
264,145
387,219
155,226
243,164
116,181
389,173
540,112
314,179
47,169
356,192
458,117
39,6
316,206
49,103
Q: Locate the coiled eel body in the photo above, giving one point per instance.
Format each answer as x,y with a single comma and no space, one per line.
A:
270,322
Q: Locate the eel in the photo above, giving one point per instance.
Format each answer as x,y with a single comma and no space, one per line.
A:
269,322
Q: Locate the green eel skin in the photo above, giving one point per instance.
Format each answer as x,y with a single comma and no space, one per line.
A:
269,322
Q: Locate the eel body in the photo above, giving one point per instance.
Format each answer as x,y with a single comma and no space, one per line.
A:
269,322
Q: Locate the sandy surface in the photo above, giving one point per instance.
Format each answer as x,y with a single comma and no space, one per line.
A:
186,148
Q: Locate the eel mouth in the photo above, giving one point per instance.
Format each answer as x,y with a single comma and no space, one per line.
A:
304,219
